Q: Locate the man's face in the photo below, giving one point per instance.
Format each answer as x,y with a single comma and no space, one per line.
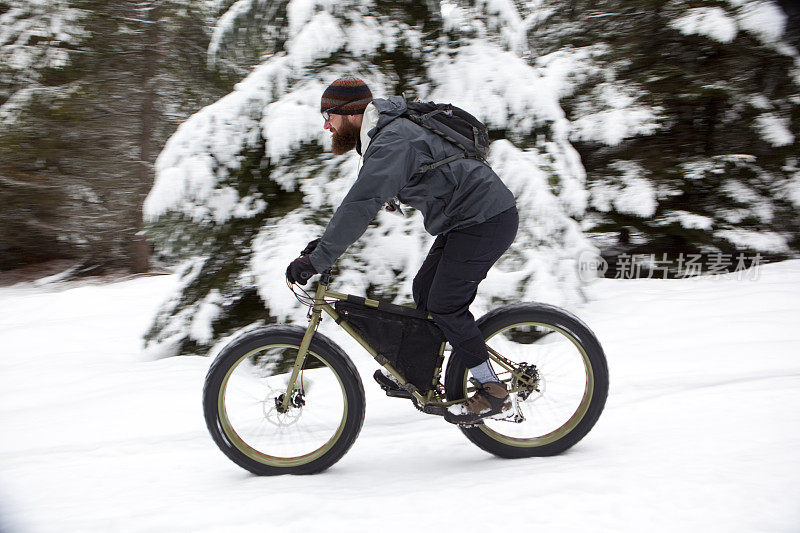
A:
345,132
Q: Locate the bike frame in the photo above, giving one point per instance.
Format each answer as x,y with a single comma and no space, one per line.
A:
431,398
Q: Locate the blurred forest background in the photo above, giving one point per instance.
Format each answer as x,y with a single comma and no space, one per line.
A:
638,126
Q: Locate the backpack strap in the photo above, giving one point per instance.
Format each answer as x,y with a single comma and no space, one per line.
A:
424,168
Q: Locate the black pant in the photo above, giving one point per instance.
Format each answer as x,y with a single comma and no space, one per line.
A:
448,279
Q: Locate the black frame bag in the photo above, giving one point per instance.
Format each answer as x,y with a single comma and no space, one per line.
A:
408,340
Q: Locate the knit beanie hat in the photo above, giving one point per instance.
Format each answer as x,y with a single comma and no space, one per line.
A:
348,95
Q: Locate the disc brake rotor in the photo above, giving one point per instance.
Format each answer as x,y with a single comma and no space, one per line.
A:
272,408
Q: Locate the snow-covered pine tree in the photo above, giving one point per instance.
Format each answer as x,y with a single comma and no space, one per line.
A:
89,92
688,122
246,182
246,32
36,39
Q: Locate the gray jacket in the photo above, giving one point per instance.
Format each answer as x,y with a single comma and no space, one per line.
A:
455,195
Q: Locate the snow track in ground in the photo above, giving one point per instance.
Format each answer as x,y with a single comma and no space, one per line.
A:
700,432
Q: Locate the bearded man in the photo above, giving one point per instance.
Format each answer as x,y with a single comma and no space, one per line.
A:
463,203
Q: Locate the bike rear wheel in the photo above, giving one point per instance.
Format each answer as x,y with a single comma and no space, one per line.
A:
566,382
242,403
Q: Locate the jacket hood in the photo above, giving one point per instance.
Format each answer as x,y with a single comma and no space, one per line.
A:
388,109
379,113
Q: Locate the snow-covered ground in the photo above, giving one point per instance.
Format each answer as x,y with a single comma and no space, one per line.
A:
701,431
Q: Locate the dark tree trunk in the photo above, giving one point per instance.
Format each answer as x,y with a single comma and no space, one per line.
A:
140,253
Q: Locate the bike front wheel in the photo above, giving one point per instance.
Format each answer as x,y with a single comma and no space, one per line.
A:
559,381
243,394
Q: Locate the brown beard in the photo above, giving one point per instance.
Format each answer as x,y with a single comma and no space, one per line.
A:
344,138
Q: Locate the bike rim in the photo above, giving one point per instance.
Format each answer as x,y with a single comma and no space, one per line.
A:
563,406
301,440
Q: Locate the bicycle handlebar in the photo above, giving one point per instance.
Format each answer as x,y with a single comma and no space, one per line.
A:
325,279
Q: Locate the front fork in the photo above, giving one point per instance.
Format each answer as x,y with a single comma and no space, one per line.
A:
314,318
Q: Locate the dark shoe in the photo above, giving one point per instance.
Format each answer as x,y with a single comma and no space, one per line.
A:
390,385
490,400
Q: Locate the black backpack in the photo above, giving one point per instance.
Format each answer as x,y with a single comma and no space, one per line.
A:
454,125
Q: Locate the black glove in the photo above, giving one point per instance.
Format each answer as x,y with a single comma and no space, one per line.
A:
310,247
300,270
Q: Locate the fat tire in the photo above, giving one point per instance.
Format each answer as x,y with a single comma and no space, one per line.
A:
549,315
321,345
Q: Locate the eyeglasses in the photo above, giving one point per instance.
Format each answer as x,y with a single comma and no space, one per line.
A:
327,113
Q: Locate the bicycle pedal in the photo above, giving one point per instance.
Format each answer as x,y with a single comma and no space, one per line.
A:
471,424
397,393
501,417
508,417
391,388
